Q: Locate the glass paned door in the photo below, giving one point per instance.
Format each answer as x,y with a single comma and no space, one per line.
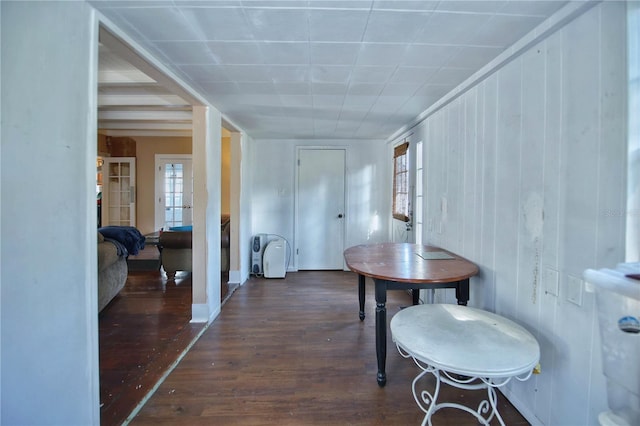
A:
175,210
118,195
174,191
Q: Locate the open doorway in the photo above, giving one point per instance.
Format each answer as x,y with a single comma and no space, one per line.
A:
138,100
225,213
231,195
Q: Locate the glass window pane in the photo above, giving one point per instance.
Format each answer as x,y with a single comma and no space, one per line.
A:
114,213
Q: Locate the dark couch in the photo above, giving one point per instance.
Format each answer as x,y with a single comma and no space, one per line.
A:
177,254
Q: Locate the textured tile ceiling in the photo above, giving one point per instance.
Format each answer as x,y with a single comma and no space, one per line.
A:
313,68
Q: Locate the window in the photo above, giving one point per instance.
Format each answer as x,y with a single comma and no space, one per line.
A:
401,182
633,176
417,216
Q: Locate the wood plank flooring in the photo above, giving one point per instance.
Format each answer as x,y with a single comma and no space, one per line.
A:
293,352
141,334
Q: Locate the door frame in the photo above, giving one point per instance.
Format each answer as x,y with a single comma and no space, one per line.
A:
296,219
158,220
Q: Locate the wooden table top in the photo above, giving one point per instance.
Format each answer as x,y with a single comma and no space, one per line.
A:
410,263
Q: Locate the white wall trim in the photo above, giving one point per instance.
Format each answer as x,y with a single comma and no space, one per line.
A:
234,277
200,313
93,349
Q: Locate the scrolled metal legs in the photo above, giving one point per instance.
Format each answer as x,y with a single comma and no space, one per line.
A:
427,401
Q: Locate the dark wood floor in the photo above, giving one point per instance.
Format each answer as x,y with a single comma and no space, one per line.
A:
293,352
141,333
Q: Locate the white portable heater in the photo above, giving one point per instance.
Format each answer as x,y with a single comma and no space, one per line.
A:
274,259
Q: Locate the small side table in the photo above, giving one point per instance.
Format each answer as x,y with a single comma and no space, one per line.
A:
463,347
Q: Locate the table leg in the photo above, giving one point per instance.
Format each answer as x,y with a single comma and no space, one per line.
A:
462,292
361,290
415,295
381,330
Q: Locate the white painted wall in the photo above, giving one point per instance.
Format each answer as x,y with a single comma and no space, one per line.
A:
238,209
367,189
529,161
49,315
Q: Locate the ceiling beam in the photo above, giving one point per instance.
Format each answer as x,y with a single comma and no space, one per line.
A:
122,49
137,115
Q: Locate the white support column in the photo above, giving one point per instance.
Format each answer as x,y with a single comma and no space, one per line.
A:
207,132
236,190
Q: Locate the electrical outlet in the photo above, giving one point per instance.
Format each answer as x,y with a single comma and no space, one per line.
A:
574,290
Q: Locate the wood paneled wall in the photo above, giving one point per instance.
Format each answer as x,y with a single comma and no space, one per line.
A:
523,172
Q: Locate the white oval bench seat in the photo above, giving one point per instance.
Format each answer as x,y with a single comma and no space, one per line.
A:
449,340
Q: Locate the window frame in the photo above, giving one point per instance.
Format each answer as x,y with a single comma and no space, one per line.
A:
632,239
401,158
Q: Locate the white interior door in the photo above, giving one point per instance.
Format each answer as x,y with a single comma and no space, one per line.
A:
320,209
174,191
118,191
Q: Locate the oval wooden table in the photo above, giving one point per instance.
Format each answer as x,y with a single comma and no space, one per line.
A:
404,266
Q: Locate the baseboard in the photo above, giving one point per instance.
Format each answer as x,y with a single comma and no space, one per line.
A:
200,313
234,277
521,407
238,277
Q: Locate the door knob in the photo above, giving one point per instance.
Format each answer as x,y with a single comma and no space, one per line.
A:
340,216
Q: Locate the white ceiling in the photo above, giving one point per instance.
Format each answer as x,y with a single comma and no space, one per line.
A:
322,69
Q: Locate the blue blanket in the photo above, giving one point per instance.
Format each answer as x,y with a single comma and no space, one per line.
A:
129,236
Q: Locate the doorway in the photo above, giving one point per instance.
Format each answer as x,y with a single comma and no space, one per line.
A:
320,209
174,191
